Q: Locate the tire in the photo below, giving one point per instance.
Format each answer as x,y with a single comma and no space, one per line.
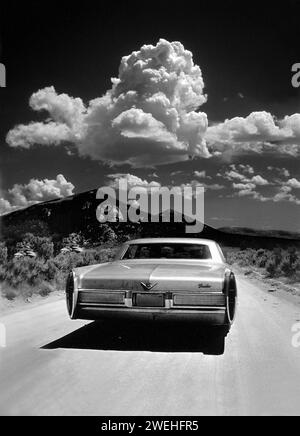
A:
231,300
216,342
70,294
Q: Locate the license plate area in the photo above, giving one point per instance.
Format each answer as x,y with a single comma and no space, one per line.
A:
148,300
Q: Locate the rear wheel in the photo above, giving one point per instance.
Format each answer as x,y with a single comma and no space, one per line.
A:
70,294
231,300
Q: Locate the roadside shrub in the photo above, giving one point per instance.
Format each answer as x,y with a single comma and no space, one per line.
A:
297,270
45,289
261,257
3,253
26,271
42,246
276,263
107,235
50,270
46,272
74,239
67,262
8,292
21,271
103,255
26,291
272,267
287,267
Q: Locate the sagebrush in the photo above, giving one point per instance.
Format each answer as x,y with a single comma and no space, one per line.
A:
47,271
275,263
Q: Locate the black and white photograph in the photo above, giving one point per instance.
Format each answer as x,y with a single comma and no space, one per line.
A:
149,211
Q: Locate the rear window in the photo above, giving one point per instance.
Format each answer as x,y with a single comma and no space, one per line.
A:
168,251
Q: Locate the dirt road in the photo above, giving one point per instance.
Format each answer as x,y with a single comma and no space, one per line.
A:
54,366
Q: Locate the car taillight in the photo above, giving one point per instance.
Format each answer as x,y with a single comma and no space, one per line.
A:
199,299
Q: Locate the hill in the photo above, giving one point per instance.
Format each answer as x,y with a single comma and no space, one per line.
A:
262,233
78,214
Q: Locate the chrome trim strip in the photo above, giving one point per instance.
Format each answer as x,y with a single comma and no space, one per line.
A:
157,291
103,290
108,306
183,309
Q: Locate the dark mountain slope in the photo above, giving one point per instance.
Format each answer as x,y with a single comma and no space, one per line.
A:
78,214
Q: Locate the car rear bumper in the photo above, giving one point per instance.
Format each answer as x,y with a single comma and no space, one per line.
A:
214,316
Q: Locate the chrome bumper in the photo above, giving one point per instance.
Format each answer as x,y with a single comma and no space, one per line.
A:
97,305
207,316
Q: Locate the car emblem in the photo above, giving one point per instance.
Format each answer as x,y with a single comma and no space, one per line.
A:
148,286
204,286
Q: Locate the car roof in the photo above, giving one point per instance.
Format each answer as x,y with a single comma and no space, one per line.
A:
171,240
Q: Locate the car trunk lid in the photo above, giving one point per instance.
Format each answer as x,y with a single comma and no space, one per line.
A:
158,276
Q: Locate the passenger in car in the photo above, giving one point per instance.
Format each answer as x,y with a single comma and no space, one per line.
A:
145,253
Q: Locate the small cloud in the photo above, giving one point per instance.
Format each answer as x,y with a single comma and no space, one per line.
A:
36,191
285,172
293,183
284,193
244,186
176,173
131,181
200,174
248,169
6,206
234,175
281,171
259,180
213,186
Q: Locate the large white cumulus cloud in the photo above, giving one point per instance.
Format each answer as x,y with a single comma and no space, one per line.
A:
36,191
149,116
260,132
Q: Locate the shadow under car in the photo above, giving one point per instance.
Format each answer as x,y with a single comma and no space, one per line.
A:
142,336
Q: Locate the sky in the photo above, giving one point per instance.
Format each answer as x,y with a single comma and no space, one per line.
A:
201,95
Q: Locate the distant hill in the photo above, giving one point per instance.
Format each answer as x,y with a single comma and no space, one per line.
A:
78,214
262,233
